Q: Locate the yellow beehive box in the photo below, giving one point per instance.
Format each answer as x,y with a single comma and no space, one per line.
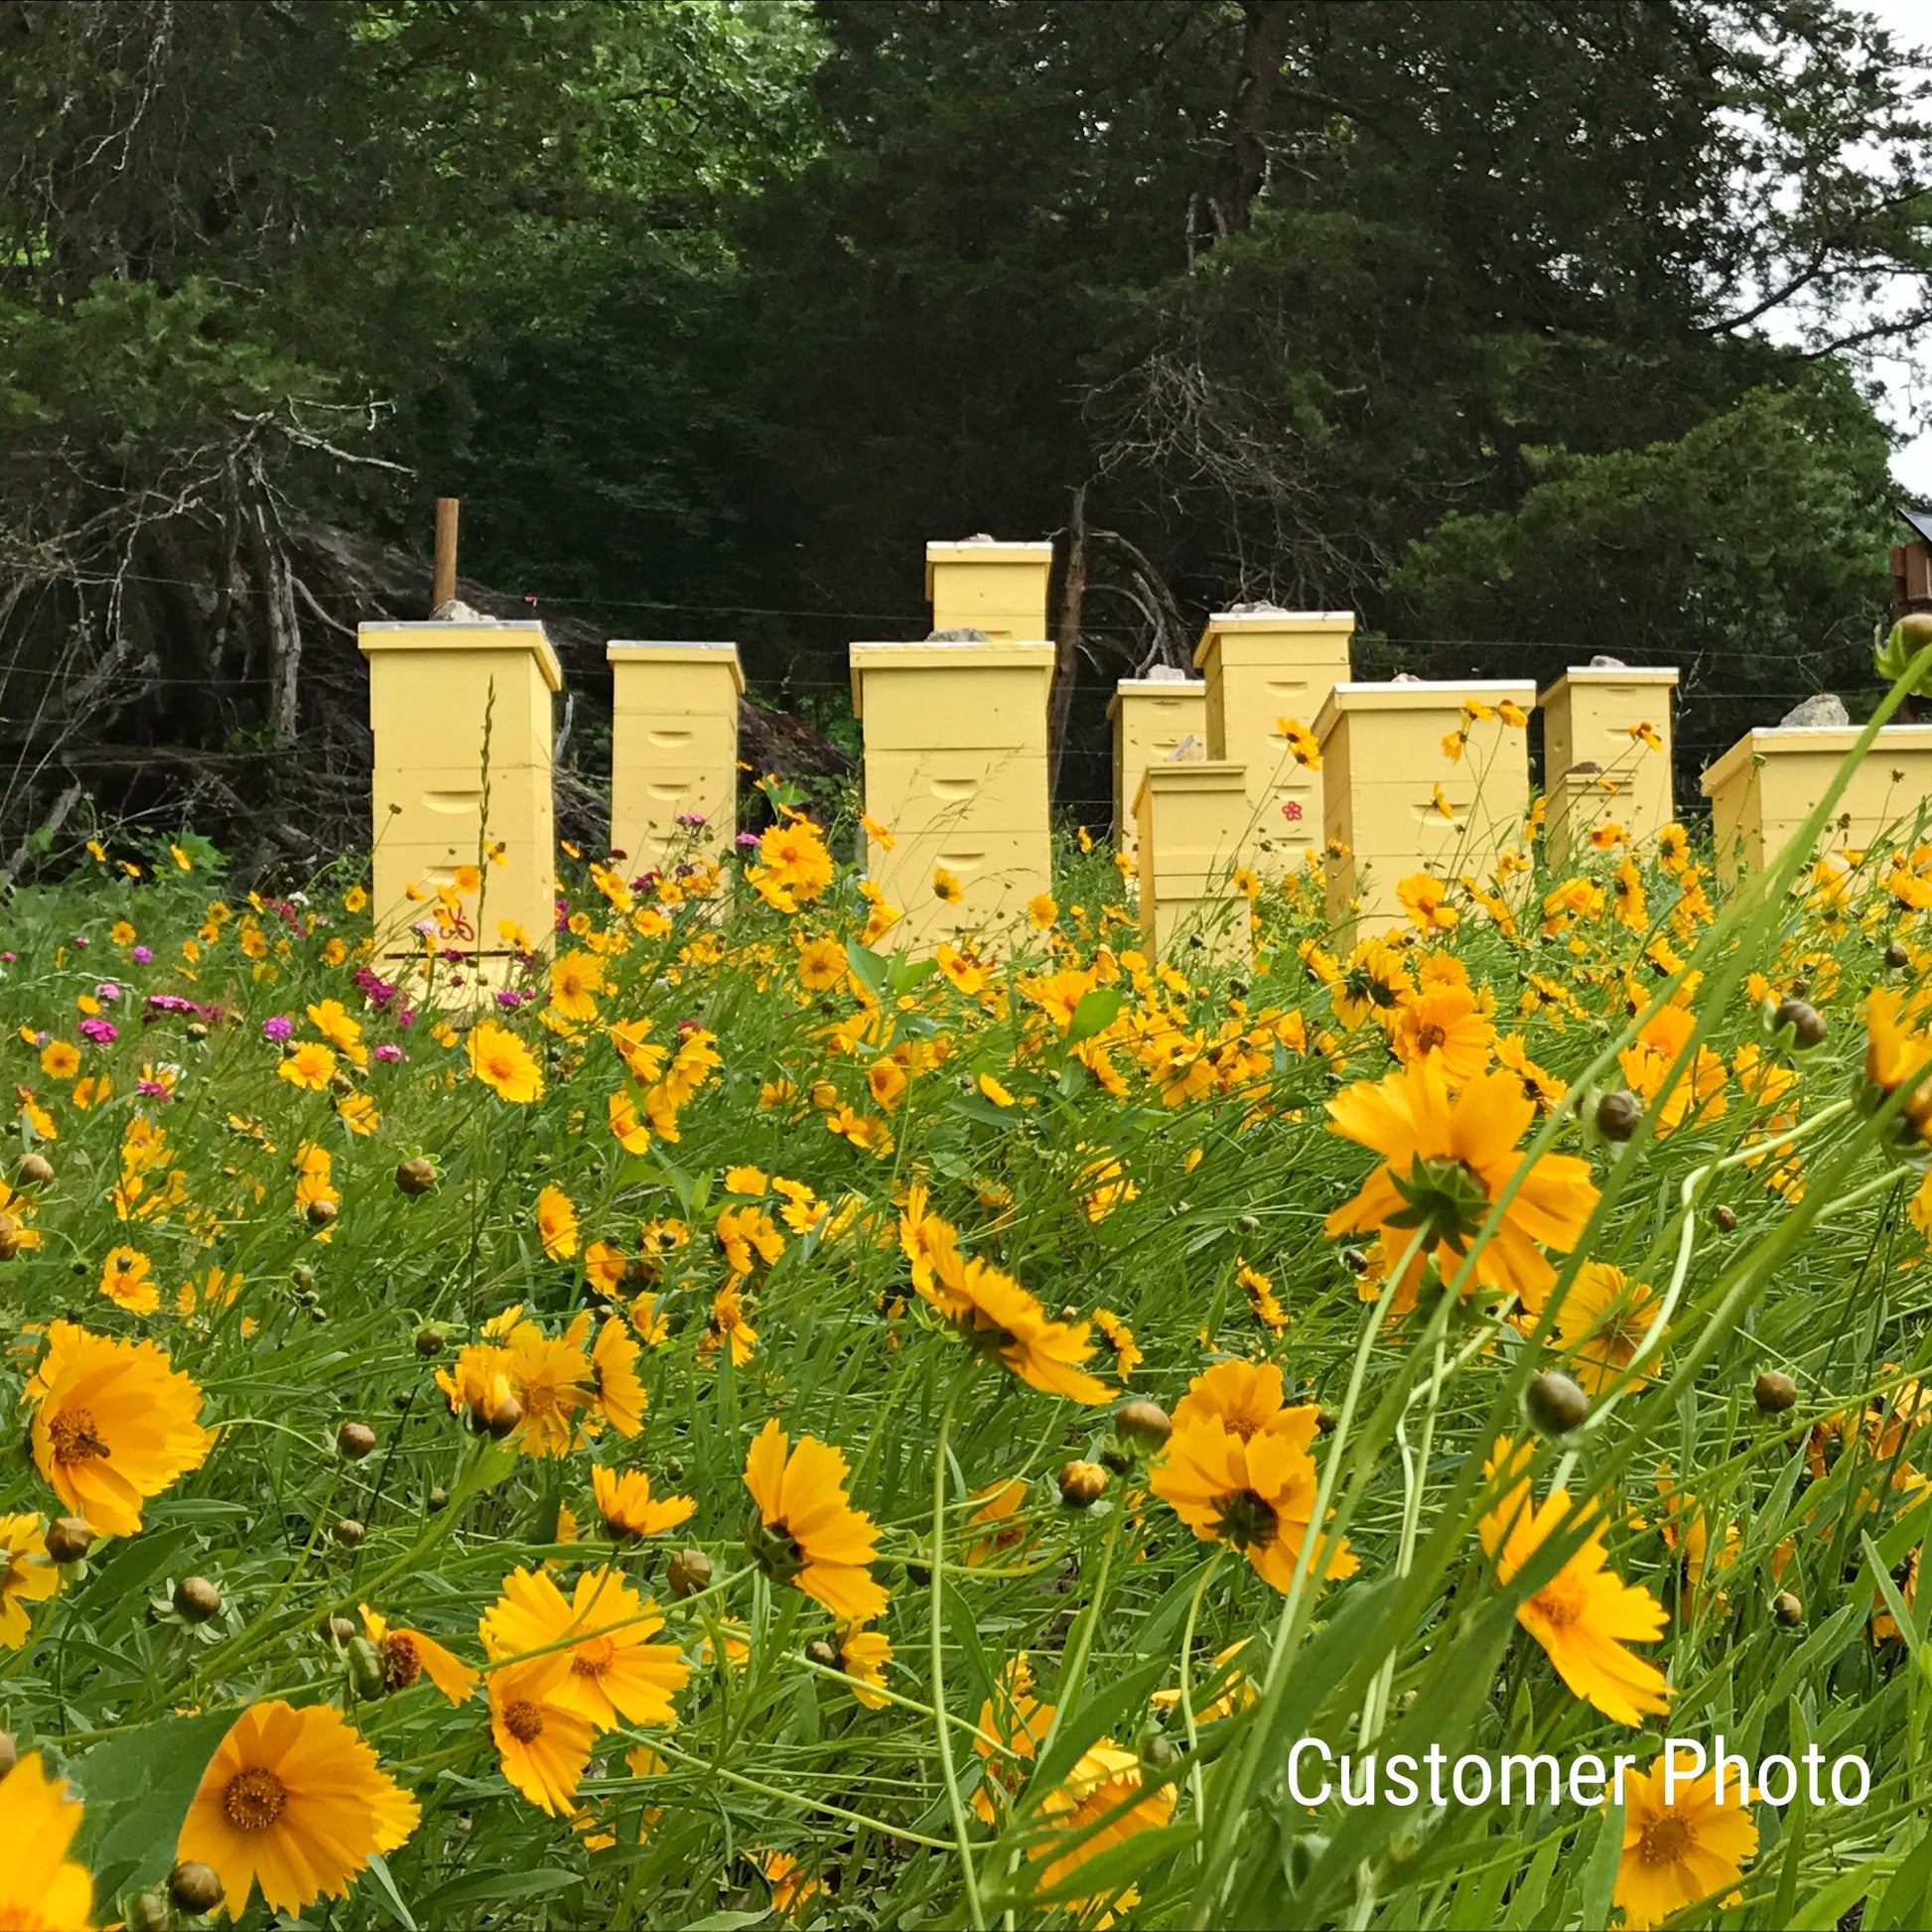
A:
461,716
1191,819
1262,667
1763,789
1396,803
1151,716
977,584
673,750
955,770
1603,715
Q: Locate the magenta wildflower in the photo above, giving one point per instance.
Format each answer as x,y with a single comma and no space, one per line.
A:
278,1026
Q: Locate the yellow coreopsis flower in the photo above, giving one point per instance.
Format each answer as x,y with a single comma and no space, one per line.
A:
408,1655
114,1424
27,1575
42,1889
1677,1849
501,1062
311,1065
294,1801
805,1531
1586,1616
557,1223
625,1501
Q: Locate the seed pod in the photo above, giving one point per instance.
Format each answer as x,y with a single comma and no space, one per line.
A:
503,1420
430,1342
337,1630
365,1668
415,1175
689,1572
1143,1422
35,1171
69,1539
1555,1404
321,1213
12,1239
1774,1392
194,1885
1082,1483
9,1753
148,1911
1807,1023
1248,1223
356,1440
350,1532
1618,1115
303,1278
821,1652
1788,1607
1726,1218
196,1599
437,1499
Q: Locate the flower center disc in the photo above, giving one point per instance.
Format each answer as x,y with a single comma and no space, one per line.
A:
254,1799
401,1665
593,1657
1665,1841
71,1432
523,1721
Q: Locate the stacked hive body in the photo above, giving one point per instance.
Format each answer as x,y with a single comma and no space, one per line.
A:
955,748
1600,765
1188,817
999,589
1395,805
460,715
1765,788
1264,667
673,751
1151,717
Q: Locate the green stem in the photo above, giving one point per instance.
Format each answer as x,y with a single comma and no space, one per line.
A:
955,1803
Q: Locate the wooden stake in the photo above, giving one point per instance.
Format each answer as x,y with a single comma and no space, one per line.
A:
445,586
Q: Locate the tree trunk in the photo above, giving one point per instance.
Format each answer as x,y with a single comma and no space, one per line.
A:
1243,163
1066,643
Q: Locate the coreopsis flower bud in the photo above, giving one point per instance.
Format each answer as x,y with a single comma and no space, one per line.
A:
1156,1752
1774,1392
9,1753
688,1574
12,1238
821,1652
304,1279
1555,1404
1117,1457
1082,1483
321,1213
356,1440
349,1531
1143,1422
148,1911
503,1419
1897,956
416,1175
337,1630
430,1342
196,1599
1726,1218
1788,1607
365,1668
35,1171
194,1885
1618,1115
69,1539
1807,1023
438,1499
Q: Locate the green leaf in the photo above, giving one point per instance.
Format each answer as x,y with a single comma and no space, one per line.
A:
487,1885
386,1887
137,1789
868,968
1599,1874
1096,1012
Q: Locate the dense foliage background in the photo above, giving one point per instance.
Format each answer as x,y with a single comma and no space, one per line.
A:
1458,314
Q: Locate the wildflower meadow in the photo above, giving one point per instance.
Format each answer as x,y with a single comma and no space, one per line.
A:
730,1421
